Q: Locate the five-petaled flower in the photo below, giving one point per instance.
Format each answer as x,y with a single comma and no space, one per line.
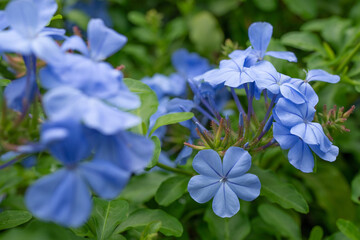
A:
225,180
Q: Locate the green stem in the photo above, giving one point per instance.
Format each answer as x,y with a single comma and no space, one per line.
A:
175,170
227,230
348,58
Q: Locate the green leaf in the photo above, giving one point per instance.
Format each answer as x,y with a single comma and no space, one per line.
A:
202,26
170,226
236,227
280,220
330,188
78,17
278,191
142,188
4,82
157,152
57,17
171,189
106,216
305,9
150,231
355,189
303,40
348,229
171,118
316,233
13,218
149,101
266,5
137,18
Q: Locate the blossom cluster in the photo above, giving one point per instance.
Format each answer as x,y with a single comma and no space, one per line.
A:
86,103
87,118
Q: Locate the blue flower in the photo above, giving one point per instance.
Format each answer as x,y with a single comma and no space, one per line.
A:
233,72
260,35
103,41
101,114
300,155
266,77
129,151
189,65
299,119
314,75
92,8
64,197
224,181
3,21
27,34
173,85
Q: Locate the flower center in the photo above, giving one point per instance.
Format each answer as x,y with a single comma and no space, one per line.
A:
223,179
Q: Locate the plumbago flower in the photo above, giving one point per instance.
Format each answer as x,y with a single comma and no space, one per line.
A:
295,130
260,35
28,36
224,180
64,196
98,96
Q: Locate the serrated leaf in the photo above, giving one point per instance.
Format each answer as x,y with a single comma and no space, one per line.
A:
280,192
157,152
348,228
170,226
171,118
13,218
171,189
106,216
280,220
316,233
149,101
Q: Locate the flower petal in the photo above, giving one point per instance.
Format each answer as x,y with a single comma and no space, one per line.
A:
312,133
203,188
290,56
106,179
247,187
321,75
329,155
72,147
208,162
236,162
46,10
3,21
75,43
301,157
46,49
291,93
260,35
11,41
225,203
61,197
23,17
103,41
64,103
283,136
107,119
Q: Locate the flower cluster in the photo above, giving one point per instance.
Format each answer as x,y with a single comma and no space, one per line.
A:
290,110
87,116
86,103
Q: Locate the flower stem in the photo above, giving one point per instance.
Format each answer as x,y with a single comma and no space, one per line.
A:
175,170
